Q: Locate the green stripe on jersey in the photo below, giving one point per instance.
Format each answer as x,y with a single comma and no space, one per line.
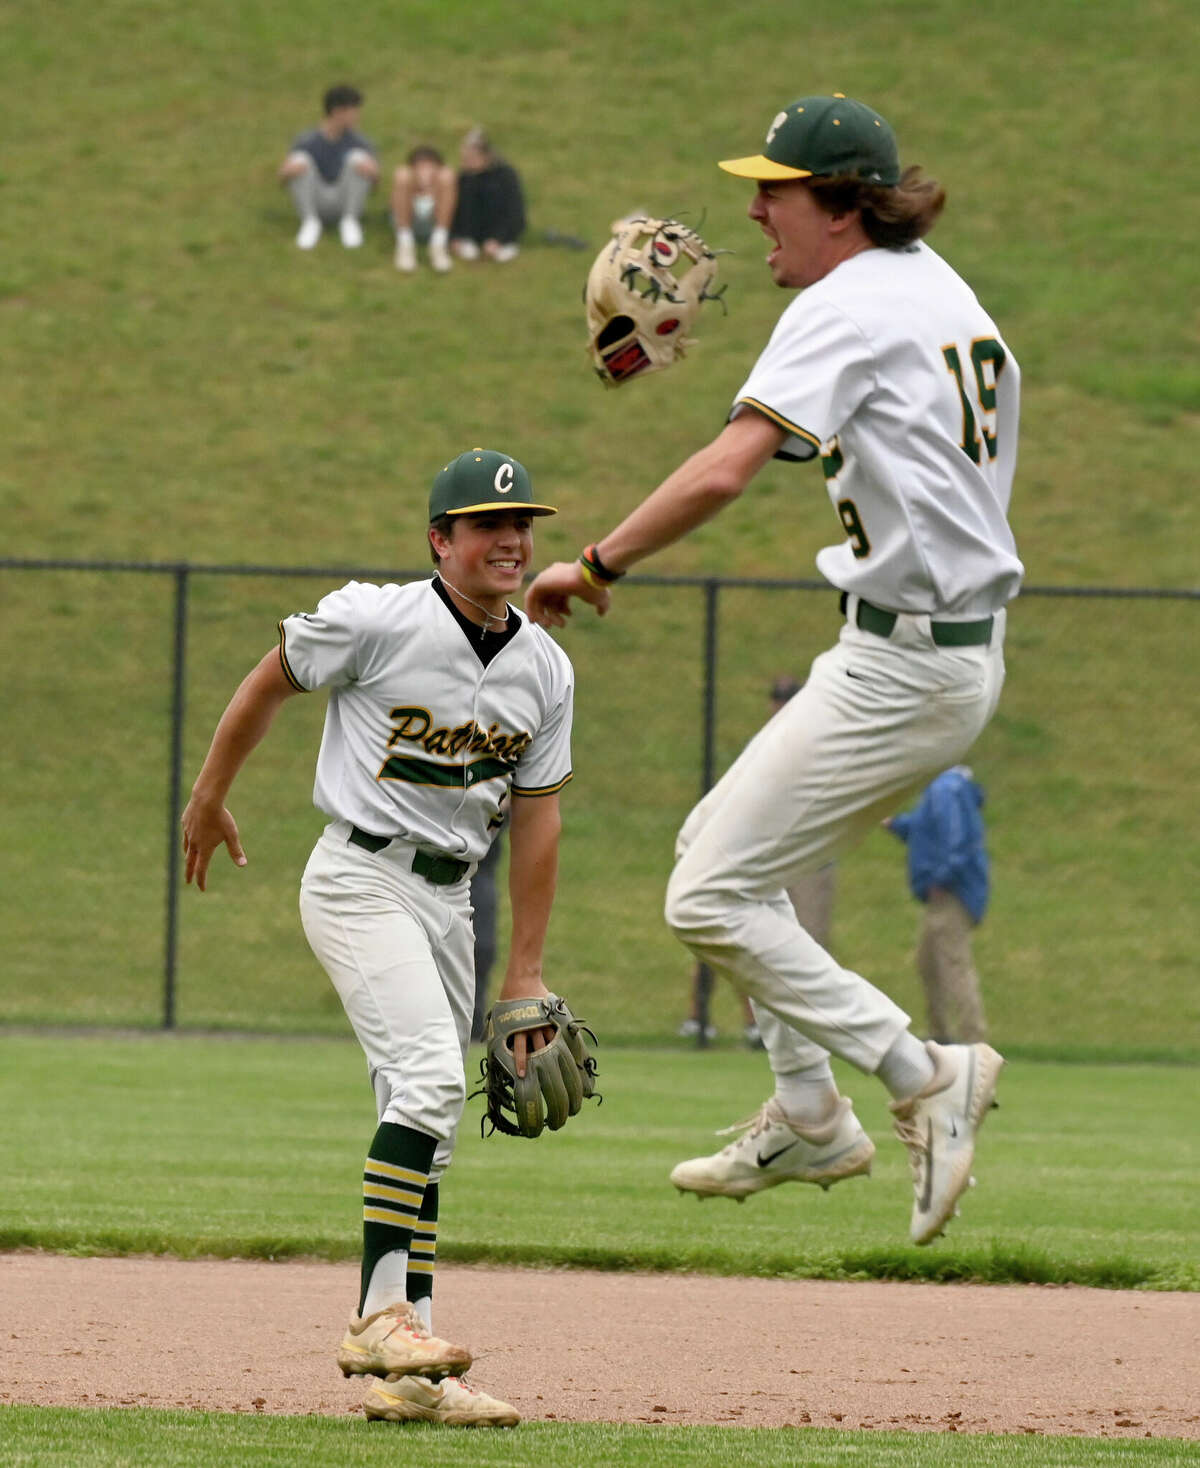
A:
427,772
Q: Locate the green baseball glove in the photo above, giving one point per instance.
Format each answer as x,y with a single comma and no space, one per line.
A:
557,1080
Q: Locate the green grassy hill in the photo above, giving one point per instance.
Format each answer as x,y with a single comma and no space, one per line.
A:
181,383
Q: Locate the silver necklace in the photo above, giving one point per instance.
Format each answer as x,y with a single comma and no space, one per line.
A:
490,616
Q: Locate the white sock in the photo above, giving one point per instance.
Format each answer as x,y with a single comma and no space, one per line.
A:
439,235
424,1308
907,1067
807,1096
404,237
389,1282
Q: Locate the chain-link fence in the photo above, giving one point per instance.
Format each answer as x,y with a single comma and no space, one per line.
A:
115,676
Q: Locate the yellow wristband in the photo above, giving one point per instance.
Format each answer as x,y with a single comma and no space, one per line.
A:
590,576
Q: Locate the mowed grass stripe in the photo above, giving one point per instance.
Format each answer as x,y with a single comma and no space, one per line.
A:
37,1437
209,1146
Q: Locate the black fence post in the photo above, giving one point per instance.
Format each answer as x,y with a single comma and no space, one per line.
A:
174,793
712,591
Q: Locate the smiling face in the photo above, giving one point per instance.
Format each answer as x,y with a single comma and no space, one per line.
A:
485,556
807,242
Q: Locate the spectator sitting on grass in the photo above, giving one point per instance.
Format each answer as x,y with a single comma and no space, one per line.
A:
490,217
330,171
424,196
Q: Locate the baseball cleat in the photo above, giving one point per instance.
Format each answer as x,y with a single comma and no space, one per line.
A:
938,1126
449,1401
771,1150
394,1339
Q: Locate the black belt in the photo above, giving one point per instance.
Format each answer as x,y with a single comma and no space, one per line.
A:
945,634
440,870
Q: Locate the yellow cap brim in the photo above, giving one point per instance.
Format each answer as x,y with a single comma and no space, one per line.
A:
762,167
518,507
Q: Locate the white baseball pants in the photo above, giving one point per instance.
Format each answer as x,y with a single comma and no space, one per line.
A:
876,720
400,953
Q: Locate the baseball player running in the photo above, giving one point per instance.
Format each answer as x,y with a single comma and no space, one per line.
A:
888,369
448,711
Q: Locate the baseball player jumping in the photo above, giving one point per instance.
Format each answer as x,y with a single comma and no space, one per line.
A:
448,713
888,369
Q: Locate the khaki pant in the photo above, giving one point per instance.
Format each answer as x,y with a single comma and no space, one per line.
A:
947,968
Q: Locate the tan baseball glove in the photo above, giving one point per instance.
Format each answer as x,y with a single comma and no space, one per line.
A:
643,295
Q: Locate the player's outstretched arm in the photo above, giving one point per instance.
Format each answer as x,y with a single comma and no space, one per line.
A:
206,823
699,489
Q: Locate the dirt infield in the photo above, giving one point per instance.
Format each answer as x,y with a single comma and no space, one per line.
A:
259,1337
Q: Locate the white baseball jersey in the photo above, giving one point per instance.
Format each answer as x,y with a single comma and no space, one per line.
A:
421,740
891,370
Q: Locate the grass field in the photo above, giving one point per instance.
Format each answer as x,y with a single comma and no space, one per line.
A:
190,1146
38,1439
182,383
174,1145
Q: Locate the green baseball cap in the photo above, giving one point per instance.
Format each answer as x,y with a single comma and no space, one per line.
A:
482,480
824,136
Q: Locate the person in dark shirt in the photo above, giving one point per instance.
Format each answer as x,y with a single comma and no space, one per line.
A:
490,217
331,170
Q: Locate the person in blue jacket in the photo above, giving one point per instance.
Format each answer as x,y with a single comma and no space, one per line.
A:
948,872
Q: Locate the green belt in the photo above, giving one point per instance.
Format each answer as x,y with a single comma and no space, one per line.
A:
945,634
440,870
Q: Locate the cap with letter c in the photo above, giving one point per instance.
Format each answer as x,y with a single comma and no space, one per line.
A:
481,480
824,137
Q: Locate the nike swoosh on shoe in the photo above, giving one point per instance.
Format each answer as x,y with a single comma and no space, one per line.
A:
766,1161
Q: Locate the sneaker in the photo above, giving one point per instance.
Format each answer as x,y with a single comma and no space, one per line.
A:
439,257
465,249
938,1127
310,233
771,1150
406,256
351,232
690,1030
394,1339
450,1401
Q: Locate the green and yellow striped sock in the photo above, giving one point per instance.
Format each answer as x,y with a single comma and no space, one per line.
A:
422,1252
394,1182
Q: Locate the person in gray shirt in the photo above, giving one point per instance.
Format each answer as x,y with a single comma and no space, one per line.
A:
331,170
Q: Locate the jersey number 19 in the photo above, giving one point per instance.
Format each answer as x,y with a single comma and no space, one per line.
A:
987,358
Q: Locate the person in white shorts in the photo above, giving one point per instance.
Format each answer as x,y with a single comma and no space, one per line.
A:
424,196
449,714
886,368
